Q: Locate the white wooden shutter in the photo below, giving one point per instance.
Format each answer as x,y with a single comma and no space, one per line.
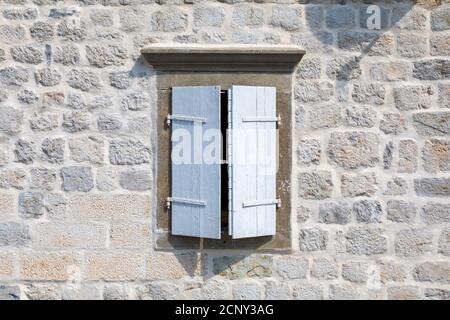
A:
253,153
195,199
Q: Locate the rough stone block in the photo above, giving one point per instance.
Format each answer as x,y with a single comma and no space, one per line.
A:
434,213
339,213
412,45
31,204
43,179
436,155
72,29
315,185
208,16
413,97
247,16
324,268
48,266
413,243
431,69
343,292
357,185
340,17
238,267
366,241
409,18
437,294
14,234
11,119
327,116
6,265
115,266
436,271
369,93
7,205
47,77
393,123
343,68
360,116
390,270
432,187
368,211
159,290
408,154
306,291
390,71
116,292
313,239
53,150
87,149
24,151
309,68
439,44
444,243
62,235
77,179
439,18
444,95
292,267
308,91
247,291
76,121
9,292
106,55
401,211
83,80
107,207
130,235
12,178
352,150
67,55
136,180
432,123
173,20
355,271
276,290
404,293
288,18
170,266
127,151
27,54
303,214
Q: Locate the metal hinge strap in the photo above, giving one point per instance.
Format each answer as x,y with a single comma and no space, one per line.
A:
185,201
255,203
171,117
276,119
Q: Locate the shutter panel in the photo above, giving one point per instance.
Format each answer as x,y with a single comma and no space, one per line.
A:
253,161
195,200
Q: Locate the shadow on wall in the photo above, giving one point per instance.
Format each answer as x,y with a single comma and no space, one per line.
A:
350,39
141,69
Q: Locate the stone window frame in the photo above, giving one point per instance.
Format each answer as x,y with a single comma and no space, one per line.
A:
224,66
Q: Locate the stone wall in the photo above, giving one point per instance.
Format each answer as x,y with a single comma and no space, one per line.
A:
372,151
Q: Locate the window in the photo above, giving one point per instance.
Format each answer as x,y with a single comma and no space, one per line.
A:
224,67
224,161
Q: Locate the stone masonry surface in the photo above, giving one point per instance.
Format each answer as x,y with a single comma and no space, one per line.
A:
371,150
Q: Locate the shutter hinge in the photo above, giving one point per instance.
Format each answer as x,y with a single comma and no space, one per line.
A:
171,117
185,201
276,119
255,203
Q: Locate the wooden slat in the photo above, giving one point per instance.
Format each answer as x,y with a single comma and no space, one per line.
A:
253,162
197,180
